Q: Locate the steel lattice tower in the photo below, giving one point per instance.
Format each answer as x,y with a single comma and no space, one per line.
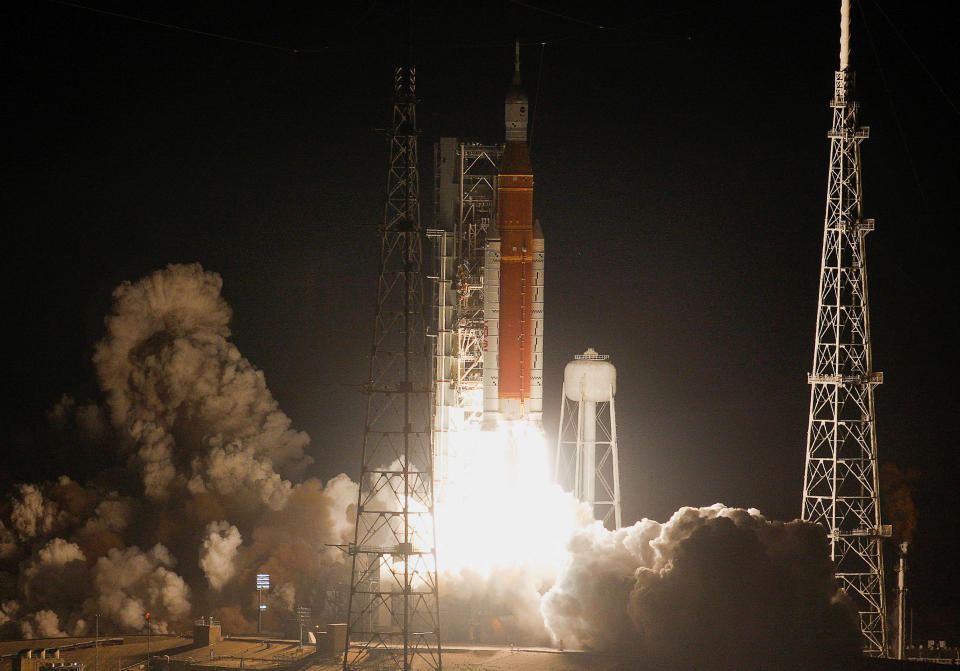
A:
465,196
393,609
840,488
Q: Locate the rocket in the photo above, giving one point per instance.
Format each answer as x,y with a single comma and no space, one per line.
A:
513,280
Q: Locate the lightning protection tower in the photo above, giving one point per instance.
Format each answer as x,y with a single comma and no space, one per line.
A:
393,609
586,460
840,484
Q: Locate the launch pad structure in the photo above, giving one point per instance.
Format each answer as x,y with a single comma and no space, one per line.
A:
465,201
841,486
484,372
488,262
393,609
488,280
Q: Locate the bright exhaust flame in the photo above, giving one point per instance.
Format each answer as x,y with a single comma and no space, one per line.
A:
497,506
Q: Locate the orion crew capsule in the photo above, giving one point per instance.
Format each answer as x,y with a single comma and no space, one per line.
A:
513,280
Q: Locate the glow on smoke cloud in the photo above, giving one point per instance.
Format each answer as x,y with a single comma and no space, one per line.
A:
498,506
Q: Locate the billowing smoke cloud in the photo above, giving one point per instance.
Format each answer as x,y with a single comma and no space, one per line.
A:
235,467
196,410
32,514
501,606
209,485
131,583
712,588
211,491
218,552
42,624
57,571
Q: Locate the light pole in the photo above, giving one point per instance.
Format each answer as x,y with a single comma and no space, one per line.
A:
901,600
96,645
263,583
148,641
304,614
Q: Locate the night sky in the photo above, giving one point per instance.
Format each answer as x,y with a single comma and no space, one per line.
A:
680,155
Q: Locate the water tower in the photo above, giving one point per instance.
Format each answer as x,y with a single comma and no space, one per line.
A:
586,459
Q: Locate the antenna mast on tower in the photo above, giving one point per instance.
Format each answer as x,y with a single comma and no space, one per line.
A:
840,483
393,611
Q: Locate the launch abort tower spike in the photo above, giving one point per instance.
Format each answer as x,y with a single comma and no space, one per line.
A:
840,483
393,610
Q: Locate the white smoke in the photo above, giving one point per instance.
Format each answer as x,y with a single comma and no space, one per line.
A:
212,480
233,468
339,521
32,514
59,552
218,552
55,575
155,458
713,588
179,387
131,583
111,515
220,466
508,596
42,624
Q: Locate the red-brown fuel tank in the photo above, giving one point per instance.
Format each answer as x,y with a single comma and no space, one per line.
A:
513,280
515,222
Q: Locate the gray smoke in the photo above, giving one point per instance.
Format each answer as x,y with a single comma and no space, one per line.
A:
32,514
211,492
713,588
230,469
218,552
55,574
42,624
503,606
197,411
130,583
210,484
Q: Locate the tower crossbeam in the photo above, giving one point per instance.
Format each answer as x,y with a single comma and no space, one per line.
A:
393,609
466,199
841,487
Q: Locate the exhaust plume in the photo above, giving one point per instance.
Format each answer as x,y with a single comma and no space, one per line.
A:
712,588
211,490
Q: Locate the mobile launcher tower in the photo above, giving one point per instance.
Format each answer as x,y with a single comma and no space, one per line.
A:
488,300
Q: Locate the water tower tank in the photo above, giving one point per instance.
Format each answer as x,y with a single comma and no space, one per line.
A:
591,375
